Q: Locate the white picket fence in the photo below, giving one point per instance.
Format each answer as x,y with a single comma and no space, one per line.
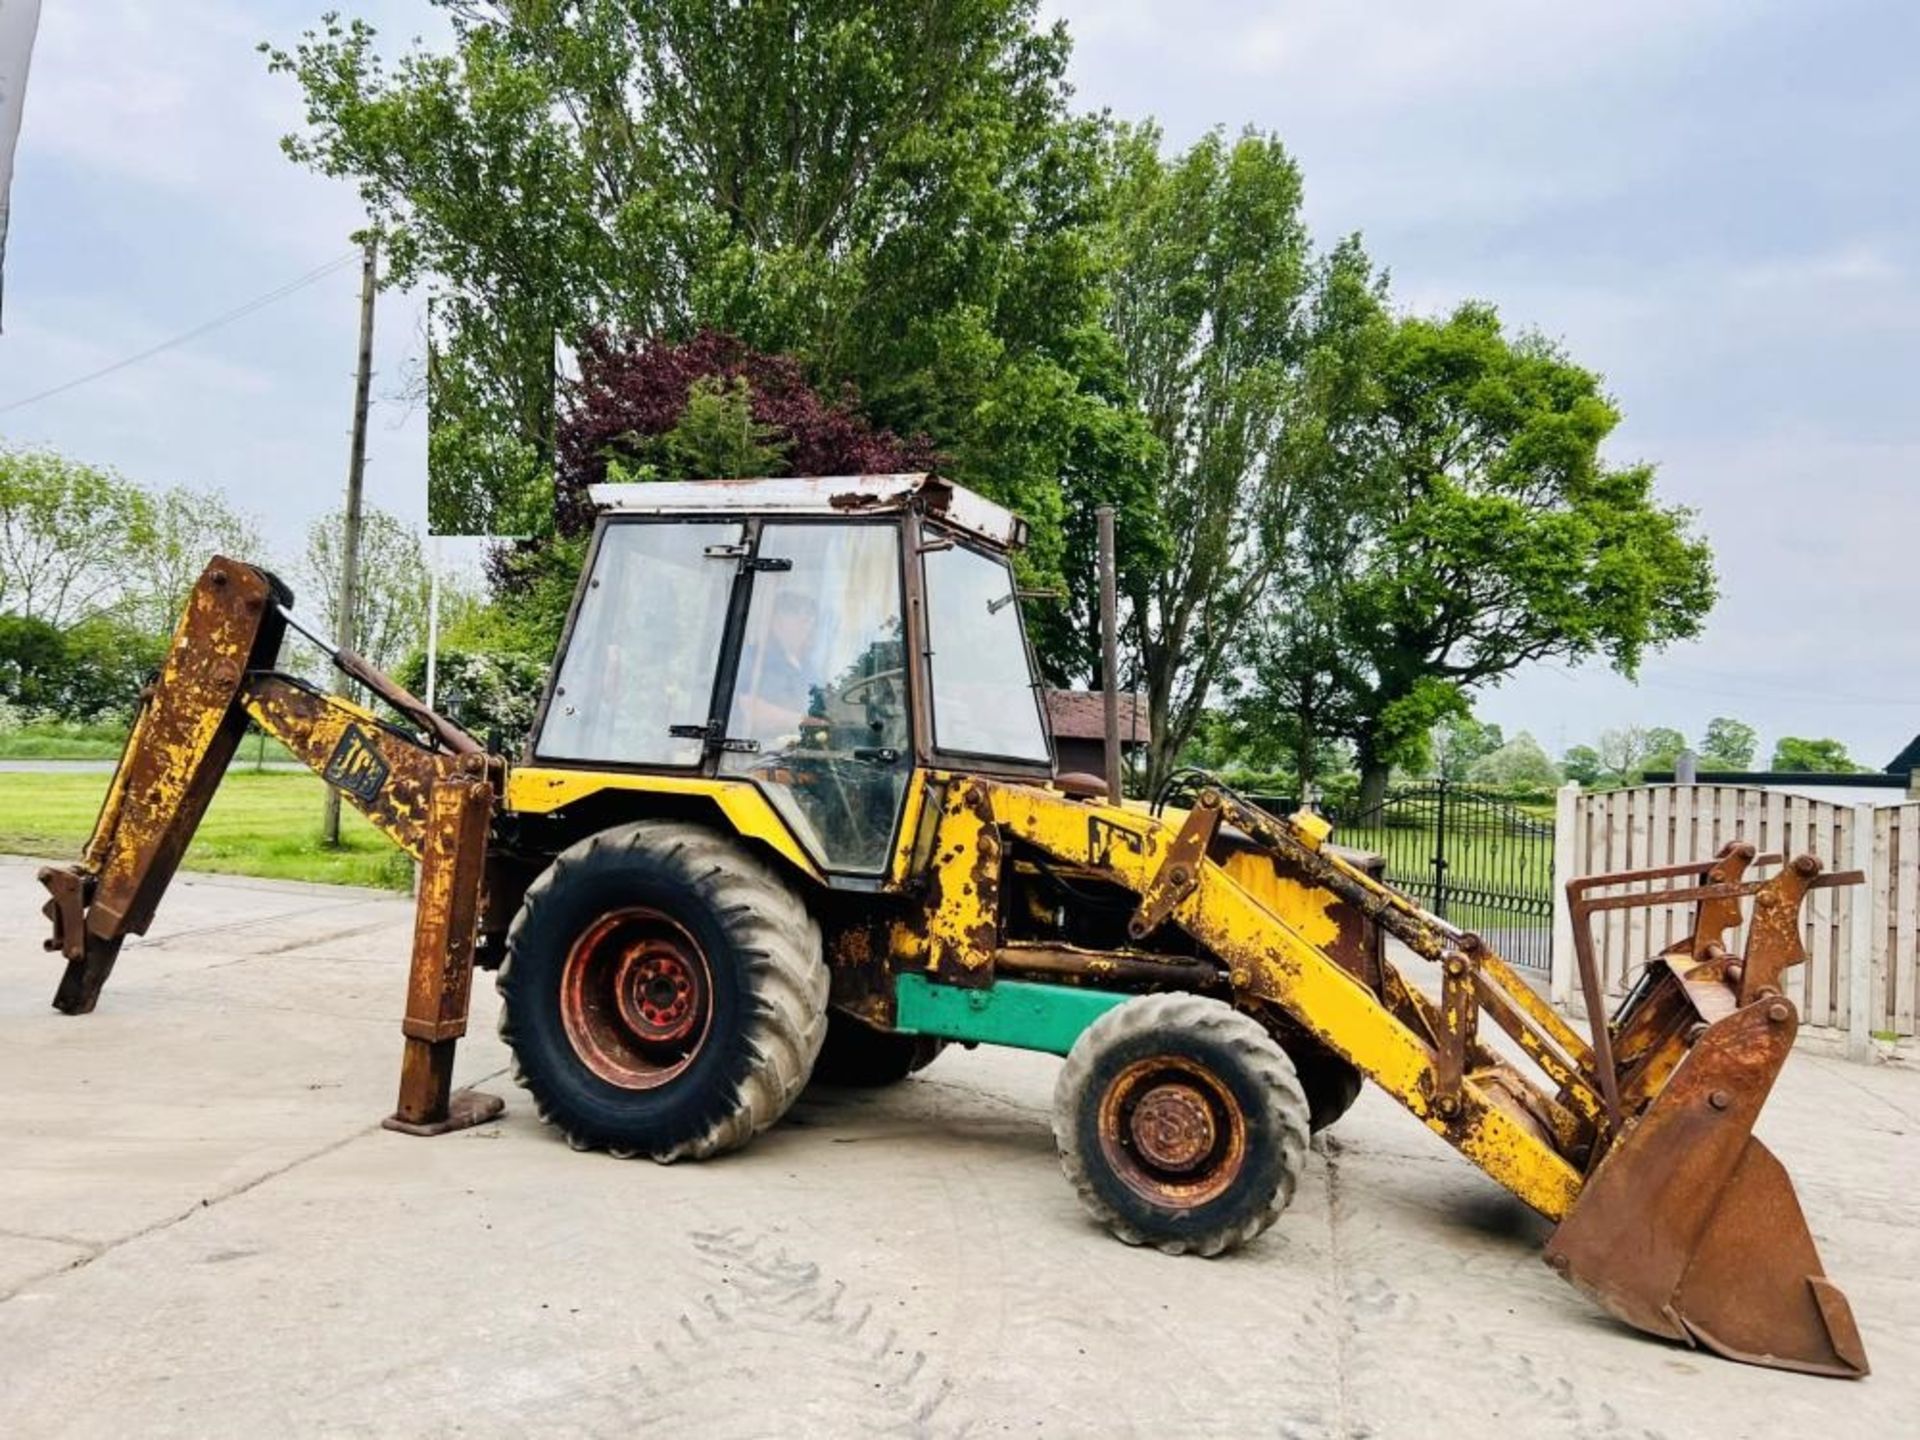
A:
1860,975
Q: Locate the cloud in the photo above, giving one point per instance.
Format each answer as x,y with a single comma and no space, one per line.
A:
176,98
1694,198
1404,52
1398,54
152,196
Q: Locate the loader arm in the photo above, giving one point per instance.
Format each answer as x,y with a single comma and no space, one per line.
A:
432,796
1636,1142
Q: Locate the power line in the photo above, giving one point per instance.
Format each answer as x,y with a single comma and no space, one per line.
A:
259,302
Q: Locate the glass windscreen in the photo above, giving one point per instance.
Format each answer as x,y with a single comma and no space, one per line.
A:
984,699
821,688
644,646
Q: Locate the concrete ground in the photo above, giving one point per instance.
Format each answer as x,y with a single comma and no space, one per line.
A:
203,1231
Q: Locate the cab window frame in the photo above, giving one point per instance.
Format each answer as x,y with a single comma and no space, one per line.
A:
928,537
746,528
734,642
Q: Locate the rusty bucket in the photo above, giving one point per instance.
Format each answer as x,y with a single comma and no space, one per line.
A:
1689,1227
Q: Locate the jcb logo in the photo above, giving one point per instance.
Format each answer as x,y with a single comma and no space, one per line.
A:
356,767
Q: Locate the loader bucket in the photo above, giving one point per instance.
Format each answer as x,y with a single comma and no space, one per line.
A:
1689,1227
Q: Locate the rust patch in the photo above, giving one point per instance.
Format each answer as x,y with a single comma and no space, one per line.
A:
386,775
1179,872
1172,1131
182,739
1773,937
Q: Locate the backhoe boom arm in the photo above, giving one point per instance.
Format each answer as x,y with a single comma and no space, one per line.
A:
433,798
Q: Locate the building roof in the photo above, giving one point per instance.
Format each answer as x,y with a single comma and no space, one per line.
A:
820,495
1907,761
1082,715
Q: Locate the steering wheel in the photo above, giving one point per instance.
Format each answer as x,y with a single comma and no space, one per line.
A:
839,780
864,683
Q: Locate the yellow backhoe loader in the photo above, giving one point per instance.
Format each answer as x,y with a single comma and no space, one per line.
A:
790,807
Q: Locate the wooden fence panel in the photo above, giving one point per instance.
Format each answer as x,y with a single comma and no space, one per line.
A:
1906,859
1866,935
1881,882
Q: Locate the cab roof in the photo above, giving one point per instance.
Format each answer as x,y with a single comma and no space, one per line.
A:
835,495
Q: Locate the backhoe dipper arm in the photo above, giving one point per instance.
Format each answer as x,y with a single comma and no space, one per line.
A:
432,798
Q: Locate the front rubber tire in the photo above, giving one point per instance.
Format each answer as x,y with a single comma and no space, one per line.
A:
1215,1075
762,987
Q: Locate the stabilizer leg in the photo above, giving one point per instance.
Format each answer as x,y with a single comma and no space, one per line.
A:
440,984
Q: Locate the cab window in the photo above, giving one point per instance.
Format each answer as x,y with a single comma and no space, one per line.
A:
645,643
820,689
984,698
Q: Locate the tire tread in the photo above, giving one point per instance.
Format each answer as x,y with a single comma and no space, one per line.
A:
1250,1044
769,925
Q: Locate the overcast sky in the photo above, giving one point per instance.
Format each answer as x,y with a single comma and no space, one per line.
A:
1709,201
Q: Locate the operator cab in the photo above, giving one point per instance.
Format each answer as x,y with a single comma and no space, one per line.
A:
818,637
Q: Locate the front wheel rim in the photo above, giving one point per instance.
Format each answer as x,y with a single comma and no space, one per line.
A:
636,998
1172,1131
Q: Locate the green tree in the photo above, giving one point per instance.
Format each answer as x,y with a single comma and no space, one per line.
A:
108,660
488,473
390,613
1629,752
1217,743
491,693
1495,535
1664,745
89,670
1583,763
188,528
1306,683
896,194
1301,696
70,535
1519,763
33,660
717,437
1214,308
1460,742
1822,757
1728,744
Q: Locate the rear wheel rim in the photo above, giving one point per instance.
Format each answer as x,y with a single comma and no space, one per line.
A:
636,998
1173,1132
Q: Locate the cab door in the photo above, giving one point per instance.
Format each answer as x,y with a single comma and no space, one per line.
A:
818,711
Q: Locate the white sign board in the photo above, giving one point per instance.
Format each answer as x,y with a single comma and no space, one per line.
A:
18,21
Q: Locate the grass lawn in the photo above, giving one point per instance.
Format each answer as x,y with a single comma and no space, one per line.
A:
265,824
61,741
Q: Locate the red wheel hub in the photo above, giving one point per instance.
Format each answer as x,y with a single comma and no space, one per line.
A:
661,994
636,998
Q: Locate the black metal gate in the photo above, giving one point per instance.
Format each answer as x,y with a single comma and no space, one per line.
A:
1477,861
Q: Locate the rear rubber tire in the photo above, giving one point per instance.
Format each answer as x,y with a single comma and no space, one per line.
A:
858,1056
764,980
1251,1091
1330,1083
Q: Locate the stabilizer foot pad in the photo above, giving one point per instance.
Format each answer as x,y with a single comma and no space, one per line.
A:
466,1109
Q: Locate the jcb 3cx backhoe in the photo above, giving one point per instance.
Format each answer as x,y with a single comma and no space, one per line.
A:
792,788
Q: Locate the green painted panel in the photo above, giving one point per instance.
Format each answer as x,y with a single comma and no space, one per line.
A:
1019,1013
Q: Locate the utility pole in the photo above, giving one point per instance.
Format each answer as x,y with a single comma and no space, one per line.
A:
343,636
1109,652
433,621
